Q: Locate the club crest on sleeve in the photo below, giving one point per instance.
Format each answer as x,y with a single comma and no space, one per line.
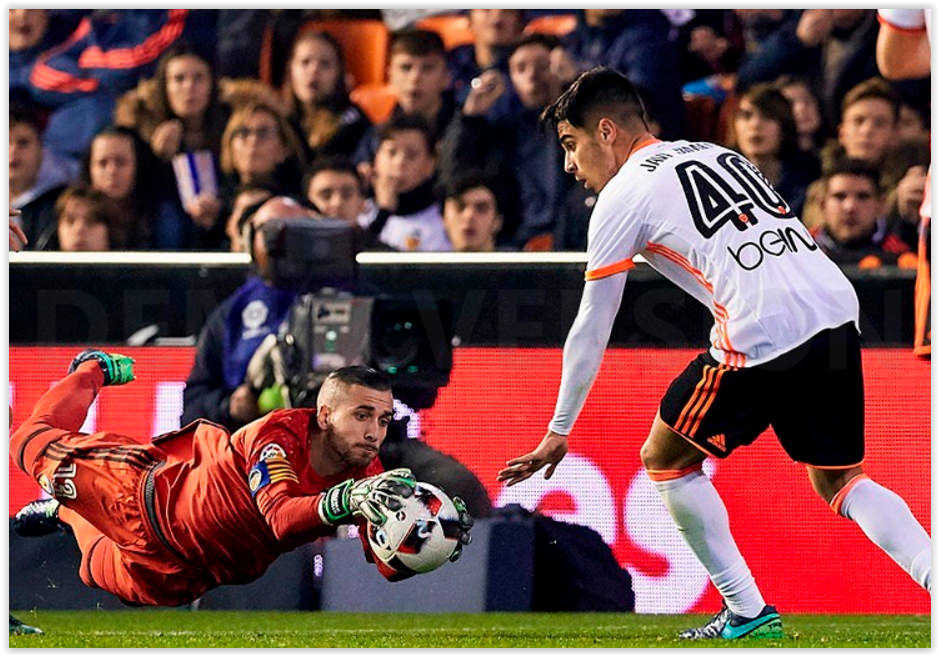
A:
273,450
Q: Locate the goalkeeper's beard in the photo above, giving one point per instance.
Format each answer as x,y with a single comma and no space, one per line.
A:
348,456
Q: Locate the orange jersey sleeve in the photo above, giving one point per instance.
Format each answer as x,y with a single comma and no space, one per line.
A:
276,455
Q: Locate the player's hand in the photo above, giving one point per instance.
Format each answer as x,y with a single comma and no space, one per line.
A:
550,452
464,524
484,92
204,209
370,498
386,191
243,404
910,191
167,138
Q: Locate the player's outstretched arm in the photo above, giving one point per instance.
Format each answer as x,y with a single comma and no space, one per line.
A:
583,353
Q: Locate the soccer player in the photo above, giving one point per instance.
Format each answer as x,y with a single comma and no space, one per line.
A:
161,523
903,51
784,347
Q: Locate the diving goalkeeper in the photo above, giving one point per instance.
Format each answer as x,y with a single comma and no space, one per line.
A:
161,523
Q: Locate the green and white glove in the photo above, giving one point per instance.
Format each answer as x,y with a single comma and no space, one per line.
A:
371,498
463,525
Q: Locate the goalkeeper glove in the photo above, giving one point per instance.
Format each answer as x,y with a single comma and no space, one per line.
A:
463,525
118,369
368,497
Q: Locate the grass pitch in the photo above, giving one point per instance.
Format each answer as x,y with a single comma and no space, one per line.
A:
183,628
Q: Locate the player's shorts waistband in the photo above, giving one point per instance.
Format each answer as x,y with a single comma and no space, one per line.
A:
152,517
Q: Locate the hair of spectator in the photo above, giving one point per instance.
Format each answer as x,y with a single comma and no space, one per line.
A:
181,50
339,96
103,210
875,87
341,379
459,184
599,92
334,163
547,41
855,167
417,43
241,115
21,114
407,122
771,102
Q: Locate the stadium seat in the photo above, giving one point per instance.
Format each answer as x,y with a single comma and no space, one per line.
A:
376,100
364,46
558,24
454,29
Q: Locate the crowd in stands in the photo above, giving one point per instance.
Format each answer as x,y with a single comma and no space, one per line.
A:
166,129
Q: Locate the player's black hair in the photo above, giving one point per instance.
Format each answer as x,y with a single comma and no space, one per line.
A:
418,43
335,163
407,122
856,167
599,89
459,184
361,375
548,41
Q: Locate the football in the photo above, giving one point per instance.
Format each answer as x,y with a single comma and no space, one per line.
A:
421,536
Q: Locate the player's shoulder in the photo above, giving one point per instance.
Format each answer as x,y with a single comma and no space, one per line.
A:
286,425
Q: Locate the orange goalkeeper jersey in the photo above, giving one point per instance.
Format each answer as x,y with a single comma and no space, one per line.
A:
231,504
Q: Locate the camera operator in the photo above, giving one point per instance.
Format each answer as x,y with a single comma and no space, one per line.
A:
216,387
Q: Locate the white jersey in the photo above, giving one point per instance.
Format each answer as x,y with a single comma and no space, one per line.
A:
705,218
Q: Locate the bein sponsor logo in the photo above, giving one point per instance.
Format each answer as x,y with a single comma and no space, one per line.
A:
771,243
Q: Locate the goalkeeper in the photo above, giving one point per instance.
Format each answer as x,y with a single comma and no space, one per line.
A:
162,523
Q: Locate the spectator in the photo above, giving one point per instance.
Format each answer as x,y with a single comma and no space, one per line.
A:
905,175
636,43
120,165
36,177
334,188
216,387
807,112
178,110
854,228
315,91
869,115
33,31
406,212
85,217
765,133
494,32
711,43
419,77
499,133
471,214
248,199
260,148
106,54
913,123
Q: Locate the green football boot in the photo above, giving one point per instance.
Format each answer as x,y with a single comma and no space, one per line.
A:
728,625
118,369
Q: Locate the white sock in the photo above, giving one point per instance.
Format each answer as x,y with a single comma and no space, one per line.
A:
702,519
887,521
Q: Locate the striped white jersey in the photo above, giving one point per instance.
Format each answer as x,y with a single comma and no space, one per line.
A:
707,219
